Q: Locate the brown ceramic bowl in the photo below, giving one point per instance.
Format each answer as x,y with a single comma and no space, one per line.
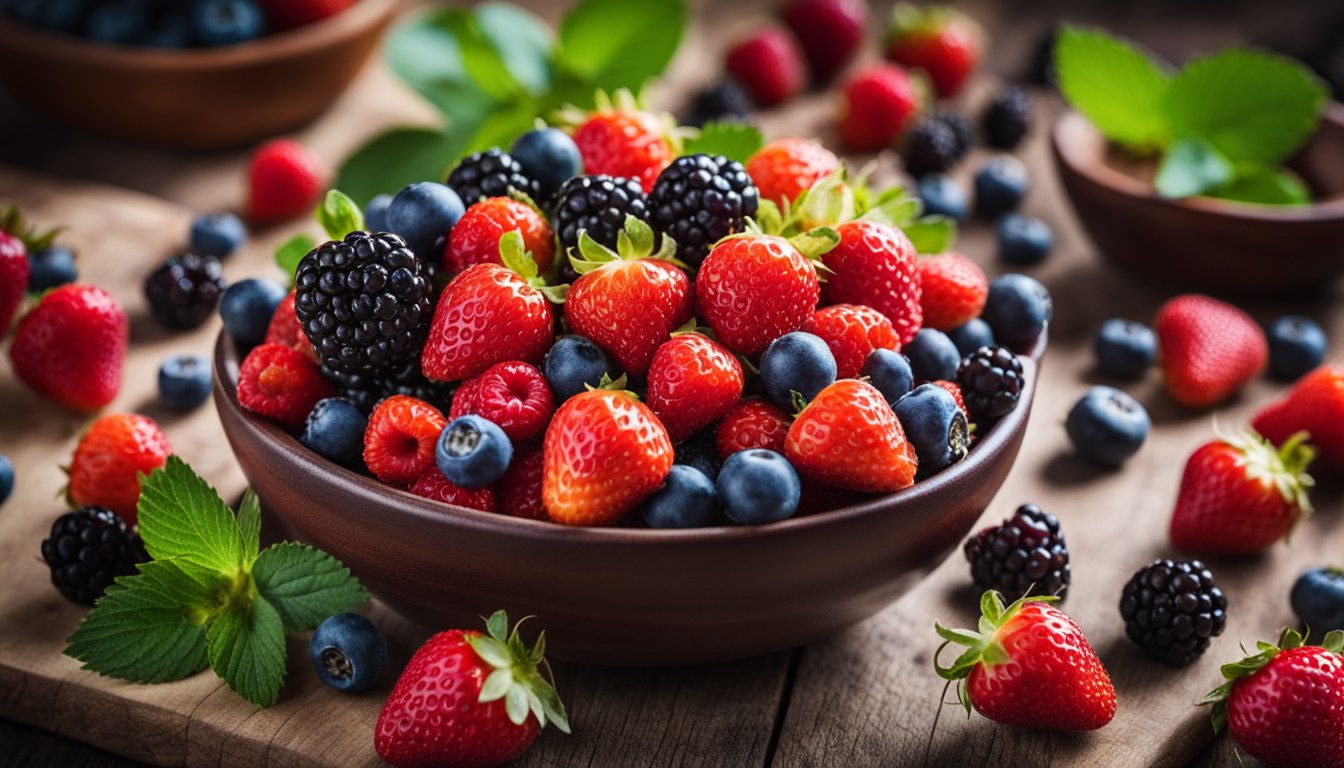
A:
622,595
207,98
1206,244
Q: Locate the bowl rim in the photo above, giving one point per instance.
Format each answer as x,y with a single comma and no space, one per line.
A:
1103,175
224,375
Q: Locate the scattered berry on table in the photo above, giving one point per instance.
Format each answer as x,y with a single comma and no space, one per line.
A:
348,652
879,104
475,239
512,395
1007,118
1172,610
932,356
1017,309
433,485
1297,344
375,213
961,128
184,291
1000,185
769,65
953,290
226,22
1209,349
724,100
71,347
752,290
286,181
693,381
1040,68
473,451
1023,555
852,332
16,273
492,173
6,478
488,314
1107,426
87,549
399,442
874,265
930,147
699,200
573,365
247,306
940,40
700,452
848,437
217,234
550,157
278,382
688,499
1314,405
334,430
796,365
936,425
753,423
890,373
1125,349
972,335
288,14
830,32
423,214
942,196
184,381
991,383
623,141
1318,599
758,486
49,268
518,492
784,168
598,205
1023,240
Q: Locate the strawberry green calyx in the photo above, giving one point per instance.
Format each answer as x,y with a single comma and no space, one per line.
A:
912,22
1289,639
570,116
618,384
512,254
981,645
692,326
634,242
1283,467
13,222
517,678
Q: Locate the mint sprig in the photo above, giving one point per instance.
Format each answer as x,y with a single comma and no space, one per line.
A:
211,596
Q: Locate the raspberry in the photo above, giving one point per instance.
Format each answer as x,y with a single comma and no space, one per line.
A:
366,390
1171,609
399,441
930,147
597,205
699,200
769,65
433,485
1024,555
752,423
879,104
492,173
991,382
955,391
286,181
624,143
952,291
278,382
1007,118
87,549
520,488
185,290
784,168
285,330
513,395
852,332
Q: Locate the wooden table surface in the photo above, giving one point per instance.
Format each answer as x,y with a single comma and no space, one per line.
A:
864,697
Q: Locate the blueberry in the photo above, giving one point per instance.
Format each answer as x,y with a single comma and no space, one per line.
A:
1017,309
1107,426
375,213
1023,239
796,362
116,23
573,364
700,452
473,452
686,500
25,11
942,196
217,234
758,486
335,430
423,214
51,267
6,477
550,156
171,30
64,15
1000,185
246,309
1296,345
933,356
935,426
348,652
889,372
971,336
226,22
184,381
1125,349
1318,600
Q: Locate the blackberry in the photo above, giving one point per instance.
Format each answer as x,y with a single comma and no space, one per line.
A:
1171,609
363,302
87,549
183,292
366,390
699,199
598,204
1025,554
725,100
930,147
1007,118
990,381
961,130
491,174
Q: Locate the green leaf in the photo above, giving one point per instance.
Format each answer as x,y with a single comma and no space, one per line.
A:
620,44
894,207
480,59
247,649
399,157
522,41
1192,167
1265,186
289,253
339,215
496,685
182,517
516,705
424,53
249,525
1120,88
305,585
1251,106
931,234
735,141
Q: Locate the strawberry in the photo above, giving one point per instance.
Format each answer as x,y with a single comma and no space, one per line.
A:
952,289
433,485
513,395
874,265
111,456
627,301
619,139
769,65
752,423
519,490
468,700
279,383
1285,704
940,40
852,332
784,168
605,451
879,104
288,14
830,32
399,440
71,347
1315,405
1210,349
848,437
955,391
1029,666
285,329
475,238
286,181
13,277
1240,495
753,289
693,382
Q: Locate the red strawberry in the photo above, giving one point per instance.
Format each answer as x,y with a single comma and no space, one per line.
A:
952,289
399,440
849,437
879,104
940,40
605,452
288,14
1240,495
1285,705
13,278
433,485
475,238
279,383
112,454
71,347
874,265
468,700
830,32
693,382
513,395
1032,667
285,329
1315,405
784,168
852,332
754,289
519,490
624,141
752,423
769,65
1210,349
286,181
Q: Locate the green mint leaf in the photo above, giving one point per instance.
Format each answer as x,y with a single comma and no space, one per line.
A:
735,141
931,234
522,41
289,253
339,215
480,59
895,210
1192,167
614,44
182,518
249,525
424,53
305,585
1118,87
247,649
399,157
1265,186
1254,107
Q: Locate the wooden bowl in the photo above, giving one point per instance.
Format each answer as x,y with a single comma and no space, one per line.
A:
205,98
1206,244
622,595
